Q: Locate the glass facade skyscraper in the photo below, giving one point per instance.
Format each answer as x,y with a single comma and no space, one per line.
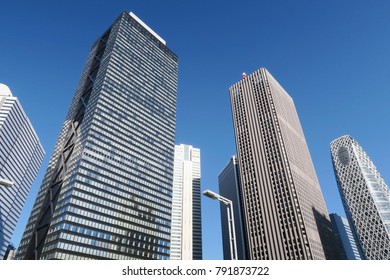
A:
342,231
107,192
186,211
283,207
230,188
365,197
21,155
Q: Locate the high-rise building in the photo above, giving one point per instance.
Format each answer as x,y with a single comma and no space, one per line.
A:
10,253
283,207
365,197
21,155
229,187
186,231
107,192
344,236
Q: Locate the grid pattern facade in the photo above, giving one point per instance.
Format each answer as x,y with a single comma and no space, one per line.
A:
229,187
109,180
365,197
283,205
21,155
186,208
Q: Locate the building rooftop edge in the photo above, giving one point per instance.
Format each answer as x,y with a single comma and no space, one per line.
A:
245,75
5,90
147,28
342,137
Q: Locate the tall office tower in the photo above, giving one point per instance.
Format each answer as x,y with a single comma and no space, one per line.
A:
10,253
229,187
186,231
344,235
107,192
284,210
21,155
365,197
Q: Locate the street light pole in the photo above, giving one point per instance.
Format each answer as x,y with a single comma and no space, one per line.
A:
230,215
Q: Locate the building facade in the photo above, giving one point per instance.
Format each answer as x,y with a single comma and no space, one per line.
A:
229,187
21,155
284,210
345,237
10,253
365,197
186,231
107,192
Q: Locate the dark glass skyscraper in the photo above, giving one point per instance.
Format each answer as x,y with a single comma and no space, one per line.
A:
230,188
283,207
345,237
107,192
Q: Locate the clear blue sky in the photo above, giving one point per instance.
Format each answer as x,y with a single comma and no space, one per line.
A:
331,56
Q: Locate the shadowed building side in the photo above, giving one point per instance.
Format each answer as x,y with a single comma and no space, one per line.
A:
229,187
345,237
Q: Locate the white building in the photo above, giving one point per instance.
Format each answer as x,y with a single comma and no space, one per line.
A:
186,242
21,155
365,196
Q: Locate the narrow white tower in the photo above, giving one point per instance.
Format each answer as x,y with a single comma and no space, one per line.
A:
186,232
365,196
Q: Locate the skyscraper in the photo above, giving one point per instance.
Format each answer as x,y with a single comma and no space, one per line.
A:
21,155
346,239
107,192
10,253
230,188
365,197
284,210
186,212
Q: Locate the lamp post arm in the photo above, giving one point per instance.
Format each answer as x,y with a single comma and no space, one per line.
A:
225,200
230,215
